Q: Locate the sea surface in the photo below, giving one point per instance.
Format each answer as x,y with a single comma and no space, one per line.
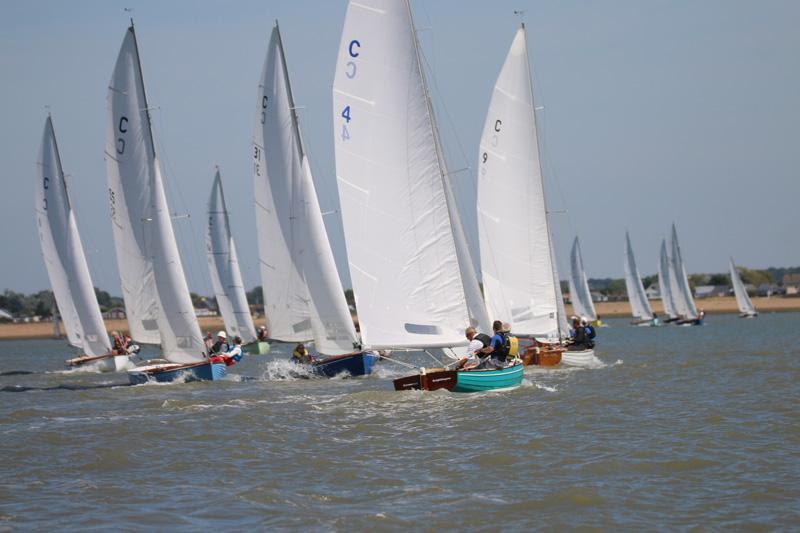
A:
681,427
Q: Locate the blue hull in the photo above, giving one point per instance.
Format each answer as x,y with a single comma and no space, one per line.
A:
355,365
486,380
202,372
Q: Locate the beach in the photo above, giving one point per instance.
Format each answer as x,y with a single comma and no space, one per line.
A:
43,330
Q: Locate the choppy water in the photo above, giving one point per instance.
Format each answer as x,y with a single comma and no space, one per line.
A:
682,427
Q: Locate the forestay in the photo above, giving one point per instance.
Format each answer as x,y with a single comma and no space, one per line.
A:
223,264
63,252
302,290
742,299
400,244
579,293
664,285
681,291
516,262
154,288
640,306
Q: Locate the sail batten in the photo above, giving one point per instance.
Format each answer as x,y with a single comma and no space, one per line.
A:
63,252
640,306
401,251
580,296
303,295
154,287
517,262
223,264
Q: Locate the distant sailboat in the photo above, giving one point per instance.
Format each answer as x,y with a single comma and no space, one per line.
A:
303,295
223,265
404,261
640,306
154,288
746,308
579,293
679,285
664,286
66,263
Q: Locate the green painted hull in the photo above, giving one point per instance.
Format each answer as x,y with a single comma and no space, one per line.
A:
257,348
486,380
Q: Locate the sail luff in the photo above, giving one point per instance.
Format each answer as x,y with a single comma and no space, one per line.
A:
223,264
63,252
401,251
154,287
514,236
742,298
640,307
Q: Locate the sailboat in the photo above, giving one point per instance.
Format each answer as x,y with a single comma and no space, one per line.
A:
746,308
226,278
579,293
520,278
664,286
679,285
154,288
640,306
303,295
404,263
66,263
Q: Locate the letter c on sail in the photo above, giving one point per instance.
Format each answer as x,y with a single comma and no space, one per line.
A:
497,124
353,44
121,120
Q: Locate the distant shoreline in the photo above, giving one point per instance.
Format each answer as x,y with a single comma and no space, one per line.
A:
720,305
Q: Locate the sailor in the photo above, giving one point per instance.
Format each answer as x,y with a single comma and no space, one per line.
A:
221,346
498,347
209,341
591,332
511,342
579,335
232,356
477,342
262,334
301,356
118,344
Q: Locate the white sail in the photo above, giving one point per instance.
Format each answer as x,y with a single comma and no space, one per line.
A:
63,252
640,307
331,322
563,322
402,256
516,262
223,264
742,299
664,284
277,174
681,291
303,294
579,293
154,288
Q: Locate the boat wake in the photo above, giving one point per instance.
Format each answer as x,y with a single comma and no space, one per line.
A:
63,386
283,370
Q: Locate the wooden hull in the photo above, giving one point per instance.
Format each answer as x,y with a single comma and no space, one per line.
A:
359,364
462,380
542,357
100,363
169,372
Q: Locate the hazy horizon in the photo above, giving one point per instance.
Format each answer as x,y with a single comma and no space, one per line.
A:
654,113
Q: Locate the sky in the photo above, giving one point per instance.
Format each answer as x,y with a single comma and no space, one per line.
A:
653,112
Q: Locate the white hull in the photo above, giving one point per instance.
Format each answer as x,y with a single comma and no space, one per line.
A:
114,363
580,358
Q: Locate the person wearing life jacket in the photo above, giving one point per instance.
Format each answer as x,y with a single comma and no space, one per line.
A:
221,346
262,333
301,356
477,342
512,343
579,340
498,348
232,356
591,332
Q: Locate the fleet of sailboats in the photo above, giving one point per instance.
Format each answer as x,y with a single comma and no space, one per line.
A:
413,275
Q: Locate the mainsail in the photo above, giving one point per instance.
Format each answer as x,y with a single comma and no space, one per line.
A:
681,291
401,250
563,323
579,293
664,285
640,306
742,299
223,264
63,252
303,294
519,279
154,288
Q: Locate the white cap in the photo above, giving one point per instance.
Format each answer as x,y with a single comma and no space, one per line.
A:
222,334
584,321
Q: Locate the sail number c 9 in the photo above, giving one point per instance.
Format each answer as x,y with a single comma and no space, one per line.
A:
123,128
